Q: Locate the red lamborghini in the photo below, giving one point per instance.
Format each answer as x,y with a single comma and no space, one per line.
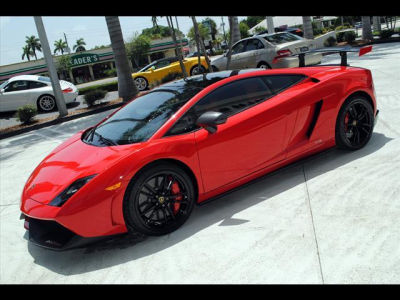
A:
144,167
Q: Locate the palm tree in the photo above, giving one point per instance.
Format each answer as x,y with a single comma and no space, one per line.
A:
201,43
126,87
79,45
366,28
60,45
228,57
307,27
26,52
34,44
179,53
235,30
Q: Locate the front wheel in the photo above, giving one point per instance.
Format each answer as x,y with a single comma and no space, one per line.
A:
159,200
354,124
196,70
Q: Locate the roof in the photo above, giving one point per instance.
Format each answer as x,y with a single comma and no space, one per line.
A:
24,77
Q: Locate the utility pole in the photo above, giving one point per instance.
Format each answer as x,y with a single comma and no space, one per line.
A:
68,49
55,82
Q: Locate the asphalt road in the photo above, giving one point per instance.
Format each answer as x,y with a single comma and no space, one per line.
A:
333,218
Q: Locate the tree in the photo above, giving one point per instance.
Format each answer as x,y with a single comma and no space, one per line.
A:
214,30
34,44
137,48
126,87
200,43
64,65
178,53
79,45
204,32
254,20
235,30
27,52
60,45
244,29
229,55
307,27
366,28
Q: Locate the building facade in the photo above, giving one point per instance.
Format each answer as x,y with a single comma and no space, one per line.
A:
88,65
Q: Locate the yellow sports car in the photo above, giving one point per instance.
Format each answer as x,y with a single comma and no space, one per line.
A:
158,69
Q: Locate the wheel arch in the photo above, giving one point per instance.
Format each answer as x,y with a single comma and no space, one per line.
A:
363,94
177,162
263,62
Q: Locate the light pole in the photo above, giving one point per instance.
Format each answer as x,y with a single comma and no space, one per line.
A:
270,25
55,82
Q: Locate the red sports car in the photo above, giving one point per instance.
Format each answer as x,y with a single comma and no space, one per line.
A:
144,167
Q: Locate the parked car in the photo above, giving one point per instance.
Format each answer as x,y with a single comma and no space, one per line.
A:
293,30
32,89
143,168
262,50
158,69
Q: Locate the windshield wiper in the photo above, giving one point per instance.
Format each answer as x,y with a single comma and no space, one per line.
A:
105,140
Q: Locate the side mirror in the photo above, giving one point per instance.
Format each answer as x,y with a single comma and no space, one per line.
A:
210,119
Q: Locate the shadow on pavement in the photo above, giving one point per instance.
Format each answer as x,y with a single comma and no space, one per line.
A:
125,248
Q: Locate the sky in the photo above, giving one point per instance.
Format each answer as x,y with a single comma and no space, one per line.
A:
13,31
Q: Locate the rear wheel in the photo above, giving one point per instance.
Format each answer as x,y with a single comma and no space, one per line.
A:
141,83
159,200
263,65
354,124
196,70
46,103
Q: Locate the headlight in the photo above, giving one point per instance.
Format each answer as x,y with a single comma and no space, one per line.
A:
70,191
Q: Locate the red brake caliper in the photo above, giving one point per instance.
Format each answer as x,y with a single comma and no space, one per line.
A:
346,121
175,191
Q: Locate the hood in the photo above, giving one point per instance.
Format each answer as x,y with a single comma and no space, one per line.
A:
70,161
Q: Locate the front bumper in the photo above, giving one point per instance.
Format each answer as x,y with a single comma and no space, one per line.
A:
51,235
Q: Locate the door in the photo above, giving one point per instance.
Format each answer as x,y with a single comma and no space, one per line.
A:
254,50
15,94
251,139
238,57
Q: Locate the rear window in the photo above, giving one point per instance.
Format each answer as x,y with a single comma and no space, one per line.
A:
281,38
44,78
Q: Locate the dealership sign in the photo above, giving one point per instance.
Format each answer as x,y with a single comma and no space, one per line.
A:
83,59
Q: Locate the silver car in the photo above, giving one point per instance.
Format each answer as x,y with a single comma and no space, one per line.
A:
32,89
268,51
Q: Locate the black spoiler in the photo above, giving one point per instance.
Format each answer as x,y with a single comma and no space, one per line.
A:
341,50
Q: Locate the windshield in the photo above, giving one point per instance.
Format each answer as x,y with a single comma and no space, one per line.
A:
3,84
147,67
281,38
140,119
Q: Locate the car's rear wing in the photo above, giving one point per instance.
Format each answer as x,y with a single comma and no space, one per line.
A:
341,50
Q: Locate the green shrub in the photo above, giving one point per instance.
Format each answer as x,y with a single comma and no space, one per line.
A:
387,33
109,87
339,37
92,96
330,41
111,72
349,36
26,113
171,76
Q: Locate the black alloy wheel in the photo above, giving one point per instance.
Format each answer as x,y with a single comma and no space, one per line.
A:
160,200
355,123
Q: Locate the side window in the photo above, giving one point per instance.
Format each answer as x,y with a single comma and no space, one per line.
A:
162,64
238,48
18,85
229,99
254,44
278,83
36,85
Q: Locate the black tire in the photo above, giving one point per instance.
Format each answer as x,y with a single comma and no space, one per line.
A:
354,124
263,65
141,83
153,211
202,70
46,103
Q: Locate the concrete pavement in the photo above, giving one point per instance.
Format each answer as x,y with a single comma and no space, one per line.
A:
332,218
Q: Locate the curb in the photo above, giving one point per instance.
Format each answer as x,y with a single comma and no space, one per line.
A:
60,120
